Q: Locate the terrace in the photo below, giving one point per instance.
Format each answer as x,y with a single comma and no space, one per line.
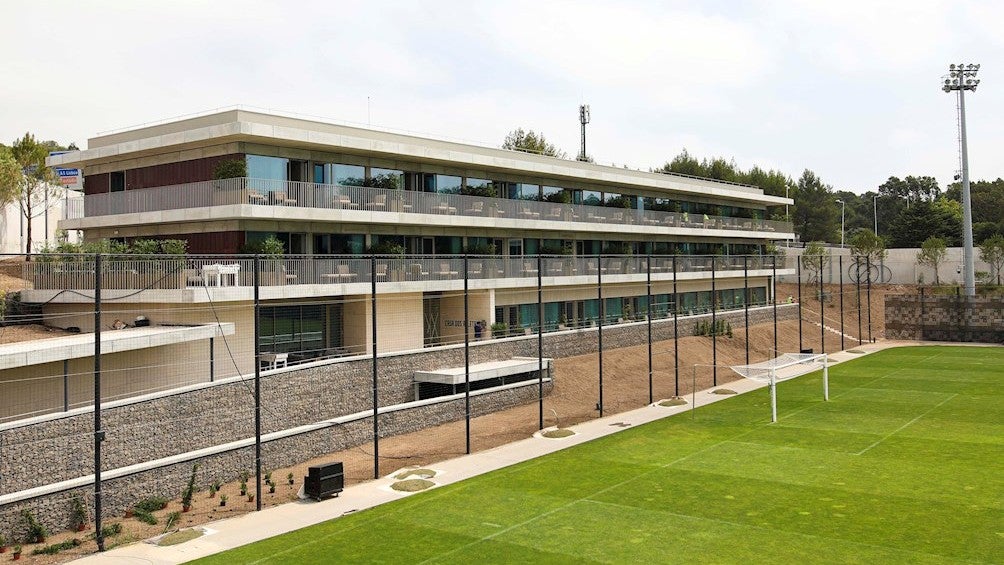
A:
366,204
234,276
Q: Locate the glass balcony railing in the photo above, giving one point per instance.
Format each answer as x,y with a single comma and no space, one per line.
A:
62,272
262,192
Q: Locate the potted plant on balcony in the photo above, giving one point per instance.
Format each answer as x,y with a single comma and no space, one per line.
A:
230,191
273,269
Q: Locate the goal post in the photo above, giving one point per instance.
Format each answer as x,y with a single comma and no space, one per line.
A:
787,366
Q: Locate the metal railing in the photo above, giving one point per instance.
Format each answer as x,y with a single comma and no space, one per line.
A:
62,272
264,192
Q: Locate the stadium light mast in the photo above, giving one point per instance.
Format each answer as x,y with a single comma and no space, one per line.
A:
962,78
583,119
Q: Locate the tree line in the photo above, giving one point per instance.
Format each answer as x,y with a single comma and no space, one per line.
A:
901,212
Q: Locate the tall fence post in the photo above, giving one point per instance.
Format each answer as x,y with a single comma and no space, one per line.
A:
822,307
540,343
857,282
798,275
840,271
257,380
920,326
467,362
773,282
676,333
99,434
376,395
648,315
746,304
599,329
714,325
869,262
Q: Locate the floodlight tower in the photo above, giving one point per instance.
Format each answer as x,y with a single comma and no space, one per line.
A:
583,119
963,78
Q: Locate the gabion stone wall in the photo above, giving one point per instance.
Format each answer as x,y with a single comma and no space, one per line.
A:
945,318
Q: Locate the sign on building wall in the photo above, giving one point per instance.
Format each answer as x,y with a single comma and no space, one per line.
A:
72,179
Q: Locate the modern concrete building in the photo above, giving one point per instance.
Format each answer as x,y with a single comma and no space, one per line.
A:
333,194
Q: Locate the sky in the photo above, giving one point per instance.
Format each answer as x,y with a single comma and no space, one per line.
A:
850,90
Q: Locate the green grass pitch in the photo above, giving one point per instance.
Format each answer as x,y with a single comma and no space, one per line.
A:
905,464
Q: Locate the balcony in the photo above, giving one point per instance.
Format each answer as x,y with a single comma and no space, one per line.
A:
354,201
233,277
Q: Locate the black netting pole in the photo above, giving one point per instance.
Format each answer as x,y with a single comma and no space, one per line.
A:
99,434
540,343
714,326
467,363
869,290
599,329
920,326
857,282
376,396
773,282
798,274
257,381
822,321
840,271
676,333
746,303
648,314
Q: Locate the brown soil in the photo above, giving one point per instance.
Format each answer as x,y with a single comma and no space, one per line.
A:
573,399
11,270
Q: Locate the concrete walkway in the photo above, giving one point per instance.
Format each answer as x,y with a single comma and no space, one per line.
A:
255,526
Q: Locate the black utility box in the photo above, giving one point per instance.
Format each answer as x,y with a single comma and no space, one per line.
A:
324,481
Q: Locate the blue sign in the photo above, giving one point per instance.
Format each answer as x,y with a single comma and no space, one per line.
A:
67,177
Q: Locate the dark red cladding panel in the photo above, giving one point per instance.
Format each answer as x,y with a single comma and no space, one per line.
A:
161,175
176,173
96,184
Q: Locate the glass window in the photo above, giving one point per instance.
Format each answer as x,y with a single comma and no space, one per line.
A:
339,244
555,194
523,191
449,245
442,184
386,178
480,187
592,198
271,168
349,175
321,173
116,181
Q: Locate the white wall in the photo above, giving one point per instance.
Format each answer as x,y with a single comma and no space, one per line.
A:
899,267
13,227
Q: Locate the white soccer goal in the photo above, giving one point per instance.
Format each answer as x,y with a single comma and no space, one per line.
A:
787,366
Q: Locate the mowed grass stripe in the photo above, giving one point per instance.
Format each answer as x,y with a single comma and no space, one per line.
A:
726,486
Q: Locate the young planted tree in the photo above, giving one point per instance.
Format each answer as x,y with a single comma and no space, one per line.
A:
992,252
36,190
815,258
932,254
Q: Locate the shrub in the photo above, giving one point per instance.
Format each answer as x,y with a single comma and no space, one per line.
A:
230,169
151,504
36,532
56,547
189,492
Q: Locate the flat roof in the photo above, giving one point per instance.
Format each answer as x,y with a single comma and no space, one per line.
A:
26,353
481,371
236,125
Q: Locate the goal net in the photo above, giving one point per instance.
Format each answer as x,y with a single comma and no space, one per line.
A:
784,367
